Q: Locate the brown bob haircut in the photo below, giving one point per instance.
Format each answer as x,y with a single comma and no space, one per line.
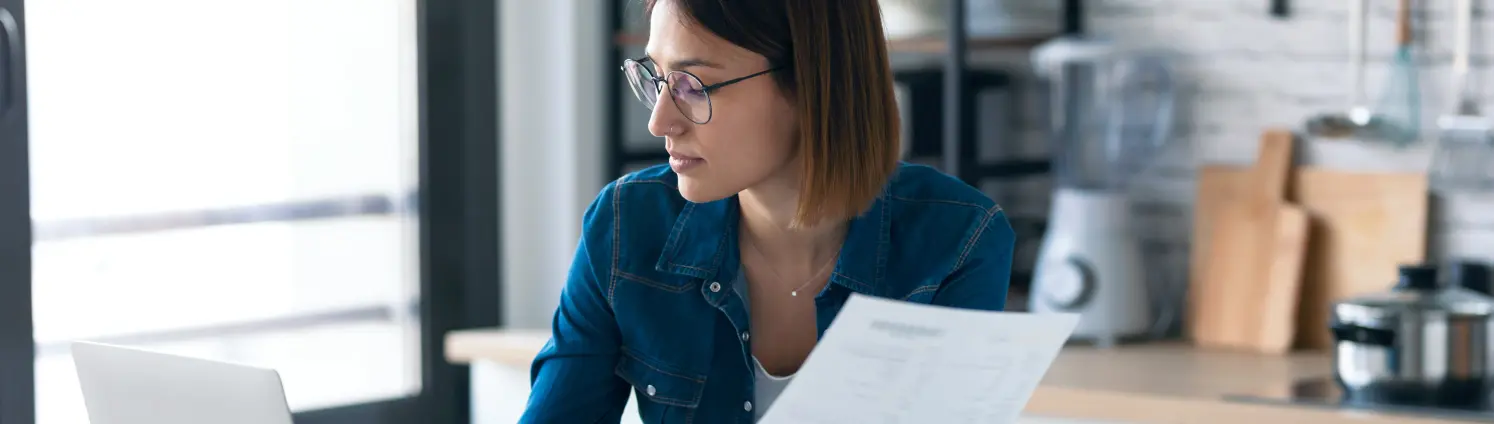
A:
836,71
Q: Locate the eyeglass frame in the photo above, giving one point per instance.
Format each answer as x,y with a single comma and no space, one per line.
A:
707,89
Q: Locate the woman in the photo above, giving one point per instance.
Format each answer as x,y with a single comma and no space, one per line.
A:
701,286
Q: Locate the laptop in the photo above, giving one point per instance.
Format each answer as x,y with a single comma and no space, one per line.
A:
124,385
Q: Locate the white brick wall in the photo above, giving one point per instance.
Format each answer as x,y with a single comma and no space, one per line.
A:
1243,71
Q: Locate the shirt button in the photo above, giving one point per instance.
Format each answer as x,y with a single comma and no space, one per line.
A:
650,390
747,406
745,336
715,286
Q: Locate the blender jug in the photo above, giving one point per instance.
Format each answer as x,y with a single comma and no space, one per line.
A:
1111,111
1110,114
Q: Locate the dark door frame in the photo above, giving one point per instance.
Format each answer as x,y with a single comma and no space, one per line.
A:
459,192
17,356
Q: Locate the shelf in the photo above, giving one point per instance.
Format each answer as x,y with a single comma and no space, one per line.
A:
939,44
1014,168
930,44
999,169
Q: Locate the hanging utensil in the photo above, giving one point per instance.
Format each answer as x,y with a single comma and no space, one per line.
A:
1355,121
1467,103
1398,116
1465,146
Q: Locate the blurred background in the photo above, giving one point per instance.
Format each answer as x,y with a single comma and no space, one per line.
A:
329,187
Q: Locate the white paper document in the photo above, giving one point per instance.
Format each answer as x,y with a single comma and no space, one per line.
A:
886,361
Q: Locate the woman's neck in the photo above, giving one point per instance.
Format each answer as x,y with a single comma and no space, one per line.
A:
768,212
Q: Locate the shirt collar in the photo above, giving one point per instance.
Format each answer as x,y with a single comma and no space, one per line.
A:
703,244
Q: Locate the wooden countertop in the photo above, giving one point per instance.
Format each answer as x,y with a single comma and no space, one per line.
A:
1152,383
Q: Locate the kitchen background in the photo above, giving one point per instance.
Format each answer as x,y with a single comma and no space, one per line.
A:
1245,71
1240,70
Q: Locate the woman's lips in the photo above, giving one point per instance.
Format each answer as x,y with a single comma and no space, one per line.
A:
681,163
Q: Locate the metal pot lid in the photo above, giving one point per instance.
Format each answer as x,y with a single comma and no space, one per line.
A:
1418,292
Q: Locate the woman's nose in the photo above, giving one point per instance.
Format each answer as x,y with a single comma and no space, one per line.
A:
665,120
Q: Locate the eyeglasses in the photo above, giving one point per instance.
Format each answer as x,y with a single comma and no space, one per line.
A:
690,96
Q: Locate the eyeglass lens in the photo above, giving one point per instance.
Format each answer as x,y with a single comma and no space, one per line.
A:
687,92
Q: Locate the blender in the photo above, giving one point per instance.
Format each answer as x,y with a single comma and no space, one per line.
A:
1111,109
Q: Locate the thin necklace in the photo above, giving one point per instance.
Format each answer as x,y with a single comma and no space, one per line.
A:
812,278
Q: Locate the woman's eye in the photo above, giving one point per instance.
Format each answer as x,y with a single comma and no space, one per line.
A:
690,92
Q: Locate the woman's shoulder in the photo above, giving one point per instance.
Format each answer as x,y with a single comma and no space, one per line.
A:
940,208
922,184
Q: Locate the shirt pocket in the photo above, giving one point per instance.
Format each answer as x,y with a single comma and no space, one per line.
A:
660,384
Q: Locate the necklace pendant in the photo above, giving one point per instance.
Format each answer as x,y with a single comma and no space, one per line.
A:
794,293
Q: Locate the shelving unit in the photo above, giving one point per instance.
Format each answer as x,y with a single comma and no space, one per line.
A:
906,45
958,140
957,143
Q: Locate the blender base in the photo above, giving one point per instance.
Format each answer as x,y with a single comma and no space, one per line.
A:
1090,263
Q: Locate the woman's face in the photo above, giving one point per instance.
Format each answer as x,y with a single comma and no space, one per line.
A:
750,135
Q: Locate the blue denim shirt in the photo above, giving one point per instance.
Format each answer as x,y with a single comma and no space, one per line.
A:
648,308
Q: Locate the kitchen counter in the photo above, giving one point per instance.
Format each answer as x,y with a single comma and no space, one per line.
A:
1147,383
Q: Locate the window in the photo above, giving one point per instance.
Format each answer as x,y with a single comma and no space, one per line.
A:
262,182
230,180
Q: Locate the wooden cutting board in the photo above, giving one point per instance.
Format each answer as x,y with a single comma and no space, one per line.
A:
1248,249
1216,186
1365,225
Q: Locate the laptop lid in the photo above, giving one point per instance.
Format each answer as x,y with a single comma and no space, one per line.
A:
132,386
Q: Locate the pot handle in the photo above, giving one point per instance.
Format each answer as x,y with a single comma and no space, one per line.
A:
1363,335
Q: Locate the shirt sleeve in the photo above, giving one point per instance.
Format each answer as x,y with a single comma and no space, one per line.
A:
572,377
983,271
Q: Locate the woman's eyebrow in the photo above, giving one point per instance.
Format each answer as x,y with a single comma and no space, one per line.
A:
688,62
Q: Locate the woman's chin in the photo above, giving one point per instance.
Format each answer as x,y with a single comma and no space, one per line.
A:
701,192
